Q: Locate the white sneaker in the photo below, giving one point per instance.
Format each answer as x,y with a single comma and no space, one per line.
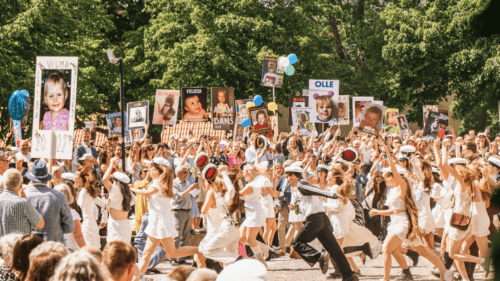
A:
448,275
377,250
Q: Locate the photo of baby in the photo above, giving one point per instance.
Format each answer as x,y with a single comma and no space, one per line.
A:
55,101
260,121
323,107
271,77
222,104
301,118
358,106
390,117
138,113
166,104
239,132
371,121
241,110
403,125
342,104
194,104
296,102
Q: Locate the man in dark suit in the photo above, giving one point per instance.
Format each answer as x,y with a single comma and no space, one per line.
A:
85,148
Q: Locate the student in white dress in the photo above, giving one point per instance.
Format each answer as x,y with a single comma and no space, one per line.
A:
74,241
161,227
267,193
404,224
255,176
222,206
120,202
87,199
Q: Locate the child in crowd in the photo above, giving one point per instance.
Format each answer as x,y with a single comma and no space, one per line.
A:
361,109
55,95
341,112
193,110
325,108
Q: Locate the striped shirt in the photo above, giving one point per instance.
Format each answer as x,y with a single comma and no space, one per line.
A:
17,215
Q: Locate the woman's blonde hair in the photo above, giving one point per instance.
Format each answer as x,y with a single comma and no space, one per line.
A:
343,181
166,180
256,170
66,190
79,266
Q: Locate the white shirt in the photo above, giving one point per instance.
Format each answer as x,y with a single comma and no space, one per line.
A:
27,157
251,155
87,149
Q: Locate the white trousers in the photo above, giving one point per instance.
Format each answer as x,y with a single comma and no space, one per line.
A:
223,246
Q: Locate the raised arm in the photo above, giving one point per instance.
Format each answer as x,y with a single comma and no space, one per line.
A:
394,170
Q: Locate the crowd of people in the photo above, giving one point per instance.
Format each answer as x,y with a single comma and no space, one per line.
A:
321,199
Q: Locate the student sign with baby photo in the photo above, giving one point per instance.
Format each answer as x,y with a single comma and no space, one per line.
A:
54,107
194,104
372,119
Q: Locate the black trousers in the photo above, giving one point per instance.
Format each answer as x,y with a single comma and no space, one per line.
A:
318,226
374,224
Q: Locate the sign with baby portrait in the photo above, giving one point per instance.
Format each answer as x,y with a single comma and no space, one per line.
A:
342,105
223,108
272,73
372,119
403,124
323,106
260,121
301,119
138,114
390,117
296,102
166,105
194,104
114,122
358,106
54,107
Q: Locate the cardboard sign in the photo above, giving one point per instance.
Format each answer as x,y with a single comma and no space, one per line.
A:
55,105
390,117
403,125
223,108
323,106
324,86
301,118
260,120
372,119
426,109
138,113
166,106
114,122
435,121
342,105
89,125
272,73
296,102
194,104
358,106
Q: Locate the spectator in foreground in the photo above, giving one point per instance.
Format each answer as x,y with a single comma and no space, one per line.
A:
22,250
17,215
203,274
51,204
119,258
79,266
7,243
44,258
246,269
4,165
181,273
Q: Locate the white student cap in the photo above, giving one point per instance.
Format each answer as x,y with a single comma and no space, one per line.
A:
401,171
87,156
68,176
294,168
435,170
121,177
407,149
460,161
161,161
493,161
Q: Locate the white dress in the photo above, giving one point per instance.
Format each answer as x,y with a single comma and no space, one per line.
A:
399,221
426,222
480,221
438,211
462,206
119,230
69,239
267,201
292,216
357,235
213,222
339,214
161,219
90,230
255,216
449,187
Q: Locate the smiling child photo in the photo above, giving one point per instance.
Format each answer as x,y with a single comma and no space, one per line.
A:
194,104
55,100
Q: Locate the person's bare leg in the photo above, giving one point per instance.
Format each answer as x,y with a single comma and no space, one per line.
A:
391,244
149,249
455,247
433,258
168,245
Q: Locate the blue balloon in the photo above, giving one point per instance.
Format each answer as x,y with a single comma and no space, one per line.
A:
19,104
257,100
292,58
290,70
246,122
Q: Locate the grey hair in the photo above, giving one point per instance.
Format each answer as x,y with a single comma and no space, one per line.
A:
46,247
202,274
12,179
7,243
180,168
79,266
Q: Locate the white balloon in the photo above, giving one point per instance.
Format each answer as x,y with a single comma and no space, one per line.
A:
283,62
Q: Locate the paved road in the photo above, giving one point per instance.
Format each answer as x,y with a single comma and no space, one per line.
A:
288,269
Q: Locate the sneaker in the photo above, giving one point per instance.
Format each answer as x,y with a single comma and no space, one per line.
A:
323,262
436,272
405,276
414,257
448,275
377,250
367,250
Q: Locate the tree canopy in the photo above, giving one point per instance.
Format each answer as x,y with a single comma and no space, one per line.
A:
405,53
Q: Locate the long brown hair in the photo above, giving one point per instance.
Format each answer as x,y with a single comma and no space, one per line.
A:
132,154
411,212
427,171
484,183
166,180
22,250
89,181
343,181
236,203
